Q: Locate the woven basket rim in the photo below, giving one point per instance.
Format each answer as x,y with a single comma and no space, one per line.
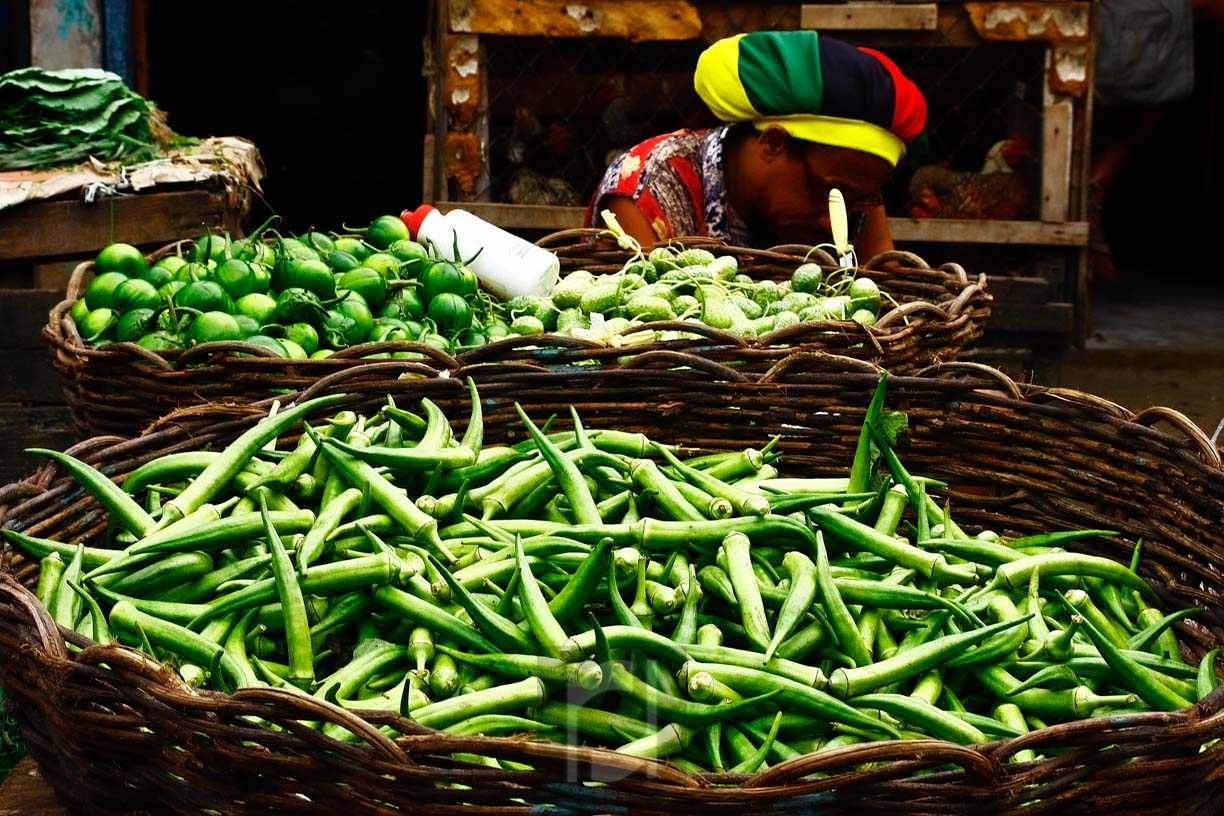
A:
983,761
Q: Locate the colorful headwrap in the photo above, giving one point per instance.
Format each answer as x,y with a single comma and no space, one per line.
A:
814,87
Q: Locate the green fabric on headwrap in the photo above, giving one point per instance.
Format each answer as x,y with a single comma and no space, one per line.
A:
781,74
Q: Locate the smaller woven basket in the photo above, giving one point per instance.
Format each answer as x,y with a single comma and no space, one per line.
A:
122,388
937,313
117,733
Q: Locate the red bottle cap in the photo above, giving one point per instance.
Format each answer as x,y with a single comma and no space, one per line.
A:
413,218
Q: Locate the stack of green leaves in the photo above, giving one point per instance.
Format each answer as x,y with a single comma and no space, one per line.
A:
53,118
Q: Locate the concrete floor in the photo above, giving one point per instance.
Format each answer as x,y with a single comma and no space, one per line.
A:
1165,348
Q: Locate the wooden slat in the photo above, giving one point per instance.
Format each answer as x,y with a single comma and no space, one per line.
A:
972,231
520,216
1056,150
1022,289
30,426
65,228
934,230
870,16
634,20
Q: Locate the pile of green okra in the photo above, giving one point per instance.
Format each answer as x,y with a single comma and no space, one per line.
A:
595,586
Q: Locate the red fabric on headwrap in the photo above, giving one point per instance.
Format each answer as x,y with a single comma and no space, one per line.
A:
909,109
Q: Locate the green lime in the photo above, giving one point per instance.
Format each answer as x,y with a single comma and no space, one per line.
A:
269,343
135,324
236,277
387,264
322,353
98,325
304,335
204,296
450,313
447,276
247,324
100,291
386,230
366,282
341,261
213,326
354,246
160,341
320,242
134,293
404,304
257,306
120,257
292,350
158,275
208,247
79,310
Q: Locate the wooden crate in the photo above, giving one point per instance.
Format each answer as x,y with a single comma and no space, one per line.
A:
41,242
462,150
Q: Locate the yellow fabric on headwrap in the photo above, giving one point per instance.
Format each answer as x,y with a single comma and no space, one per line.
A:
830,130
782,72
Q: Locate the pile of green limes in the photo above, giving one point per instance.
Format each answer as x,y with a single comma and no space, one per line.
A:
299,296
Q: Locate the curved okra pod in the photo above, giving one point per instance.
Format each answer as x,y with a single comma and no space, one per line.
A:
744,582
678,709
393,500
221,470
1015,574
586,674
922,716
502,631
517,696
1149,685
293,605
851,682
928,564
842,623
121,506
569,478
792,695
544,626
802,591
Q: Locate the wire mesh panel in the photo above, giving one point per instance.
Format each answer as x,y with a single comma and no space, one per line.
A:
556,110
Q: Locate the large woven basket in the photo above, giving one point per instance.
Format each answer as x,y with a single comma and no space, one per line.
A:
117,733
121,388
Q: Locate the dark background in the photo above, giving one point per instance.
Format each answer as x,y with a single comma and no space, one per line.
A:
333,96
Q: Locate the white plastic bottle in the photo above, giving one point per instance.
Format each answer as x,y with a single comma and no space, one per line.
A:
507,265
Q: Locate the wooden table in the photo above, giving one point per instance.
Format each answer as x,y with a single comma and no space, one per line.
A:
25,793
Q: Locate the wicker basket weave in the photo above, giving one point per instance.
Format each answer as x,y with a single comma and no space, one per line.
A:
122,387
117,733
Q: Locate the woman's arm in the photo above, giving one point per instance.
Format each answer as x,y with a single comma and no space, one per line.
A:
631,219
874,236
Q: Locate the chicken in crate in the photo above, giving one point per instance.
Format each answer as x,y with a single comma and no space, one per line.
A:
1004,185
